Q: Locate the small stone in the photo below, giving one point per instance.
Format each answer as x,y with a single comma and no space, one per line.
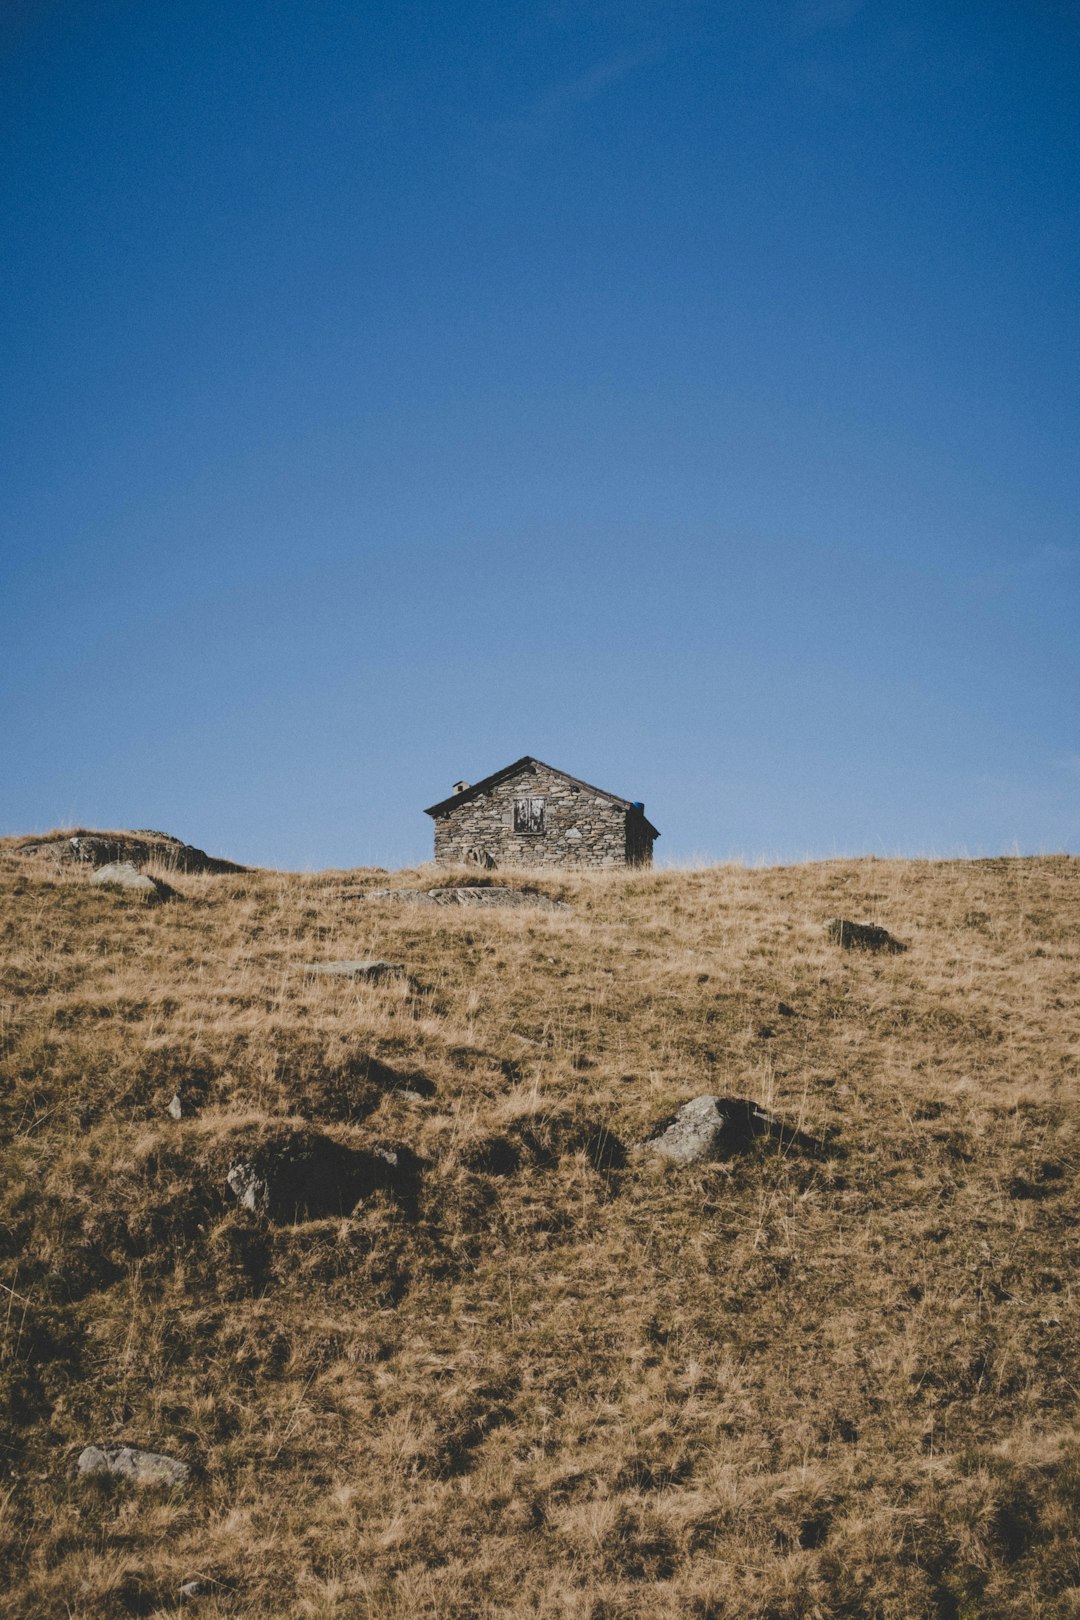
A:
861,936
297,1173
252,1190
192,1589
126,1462
369,970
175,1109
122,875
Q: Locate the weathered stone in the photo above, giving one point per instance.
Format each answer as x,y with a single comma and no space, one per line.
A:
861,936
487,898
100,849
125,1462
175,1109
295,1173
251,1188
531,814
370,970
192,1589
711,1128
122,875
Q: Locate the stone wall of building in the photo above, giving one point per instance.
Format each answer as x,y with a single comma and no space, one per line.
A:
580,828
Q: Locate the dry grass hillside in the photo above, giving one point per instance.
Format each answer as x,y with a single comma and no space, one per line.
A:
534,1370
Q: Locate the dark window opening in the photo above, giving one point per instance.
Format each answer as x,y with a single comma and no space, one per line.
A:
528,815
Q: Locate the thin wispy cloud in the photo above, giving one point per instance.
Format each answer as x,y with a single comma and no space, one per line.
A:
544,116
810,17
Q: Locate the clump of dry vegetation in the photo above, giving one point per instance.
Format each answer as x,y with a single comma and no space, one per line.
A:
535,1371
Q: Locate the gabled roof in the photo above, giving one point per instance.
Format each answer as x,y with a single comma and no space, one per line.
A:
522,764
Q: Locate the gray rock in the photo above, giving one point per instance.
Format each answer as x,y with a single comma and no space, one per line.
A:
486,898
711,1128
122,875
861,936
371,971
296,1173
96,849
125,1462
175,1109
252,1189
192,1589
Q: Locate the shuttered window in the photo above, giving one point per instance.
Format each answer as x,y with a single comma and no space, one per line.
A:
528,815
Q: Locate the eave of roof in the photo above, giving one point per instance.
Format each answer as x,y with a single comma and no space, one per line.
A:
521,764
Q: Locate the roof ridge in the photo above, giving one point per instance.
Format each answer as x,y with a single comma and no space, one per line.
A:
486,782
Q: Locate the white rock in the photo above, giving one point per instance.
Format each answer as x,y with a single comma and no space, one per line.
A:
125,1462
370,970
122,875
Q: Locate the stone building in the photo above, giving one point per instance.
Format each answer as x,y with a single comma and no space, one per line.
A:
530,814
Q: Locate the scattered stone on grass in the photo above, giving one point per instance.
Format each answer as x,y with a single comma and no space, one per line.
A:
861,936
371,971
175,1109
192,1589
123,875
470,895
126,1462
711,1128
299,1174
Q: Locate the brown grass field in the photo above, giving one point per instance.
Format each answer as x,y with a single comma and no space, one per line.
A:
557,1380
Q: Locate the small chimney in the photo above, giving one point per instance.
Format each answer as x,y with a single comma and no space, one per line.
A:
459,787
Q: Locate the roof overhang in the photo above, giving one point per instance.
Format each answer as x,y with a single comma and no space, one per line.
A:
526,762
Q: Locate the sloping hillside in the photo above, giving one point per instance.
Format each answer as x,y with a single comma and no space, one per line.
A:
500,1360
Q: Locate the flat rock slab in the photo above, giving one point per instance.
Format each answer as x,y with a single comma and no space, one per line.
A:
125,1462
370,970
712,1128
123,875
470,896
861,936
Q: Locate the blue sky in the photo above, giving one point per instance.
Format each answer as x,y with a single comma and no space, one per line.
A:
685,394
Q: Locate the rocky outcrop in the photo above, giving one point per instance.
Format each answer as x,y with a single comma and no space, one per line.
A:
122,875
484,898
862,936
126,1462
296,1173
140,848
712,1128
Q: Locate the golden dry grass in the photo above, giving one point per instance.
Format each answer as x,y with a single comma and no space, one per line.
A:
556,1385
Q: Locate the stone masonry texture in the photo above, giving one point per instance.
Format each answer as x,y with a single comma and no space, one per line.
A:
581,828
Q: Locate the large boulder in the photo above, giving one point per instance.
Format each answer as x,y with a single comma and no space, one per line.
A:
126,1462
712,1128
862,936
123,875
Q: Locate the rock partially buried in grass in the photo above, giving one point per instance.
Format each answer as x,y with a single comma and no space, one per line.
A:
125,1462
373,972
711,1128
471,895
122,875
861,936
299,1174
